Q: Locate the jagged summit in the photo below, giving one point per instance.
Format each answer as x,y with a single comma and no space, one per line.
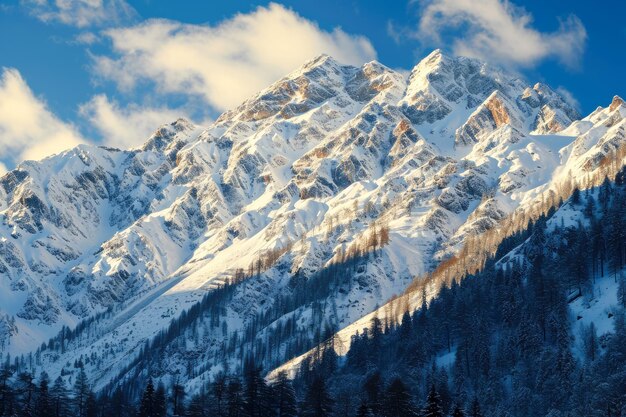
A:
182,124
616,102
319,61
432,60
167,134
494,113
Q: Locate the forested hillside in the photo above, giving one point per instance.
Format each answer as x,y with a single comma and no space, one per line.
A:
540,331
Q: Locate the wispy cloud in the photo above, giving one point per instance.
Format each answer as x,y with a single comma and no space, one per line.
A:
86,38
569,97
499,31
81,13
28,129
125,127
223,64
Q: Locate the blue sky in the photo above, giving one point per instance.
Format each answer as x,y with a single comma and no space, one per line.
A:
111,71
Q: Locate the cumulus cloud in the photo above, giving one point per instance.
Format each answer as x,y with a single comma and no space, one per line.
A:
226,63
499,31
125,127
81,13
28,130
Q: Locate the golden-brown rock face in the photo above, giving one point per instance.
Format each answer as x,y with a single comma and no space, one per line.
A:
617,101
402,127
498,111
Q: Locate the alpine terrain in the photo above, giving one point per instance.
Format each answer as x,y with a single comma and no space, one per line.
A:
338,207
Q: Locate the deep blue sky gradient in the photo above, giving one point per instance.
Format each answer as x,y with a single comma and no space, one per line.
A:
57,69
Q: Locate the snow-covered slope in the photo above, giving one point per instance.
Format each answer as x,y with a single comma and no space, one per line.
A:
311,171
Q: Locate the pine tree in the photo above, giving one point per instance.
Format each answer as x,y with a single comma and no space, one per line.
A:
284,397
7,396
160,401
196,407
433,404
256,393
218,394
234,398
43,402
26,394
373,390
146,406
598,246
81,392
458,411
59,398
398,402
475,409
405,327
442,375
117,405
615,239
317,401
91,405
178,396
364,410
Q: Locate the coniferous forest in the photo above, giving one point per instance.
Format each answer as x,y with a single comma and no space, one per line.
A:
501,342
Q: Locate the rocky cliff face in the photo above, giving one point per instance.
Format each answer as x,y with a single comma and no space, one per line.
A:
307,171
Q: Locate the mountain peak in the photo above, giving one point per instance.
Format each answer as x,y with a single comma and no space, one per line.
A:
431,61
435,54
167,133
543,89
492,114
181,124
322,60
617,102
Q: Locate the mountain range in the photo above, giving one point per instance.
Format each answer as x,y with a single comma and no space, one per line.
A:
293,218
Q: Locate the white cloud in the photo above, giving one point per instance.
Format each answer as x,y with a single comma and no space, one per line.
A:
227,63
28,130
125,127
81,13
498,31
86,38
569,97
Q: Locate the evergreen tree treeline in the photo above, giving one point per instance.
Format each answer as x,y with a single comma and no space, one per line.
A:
502,341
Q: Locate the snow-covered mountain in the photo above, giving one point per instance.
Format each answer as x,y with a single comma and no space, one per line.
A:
365,168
